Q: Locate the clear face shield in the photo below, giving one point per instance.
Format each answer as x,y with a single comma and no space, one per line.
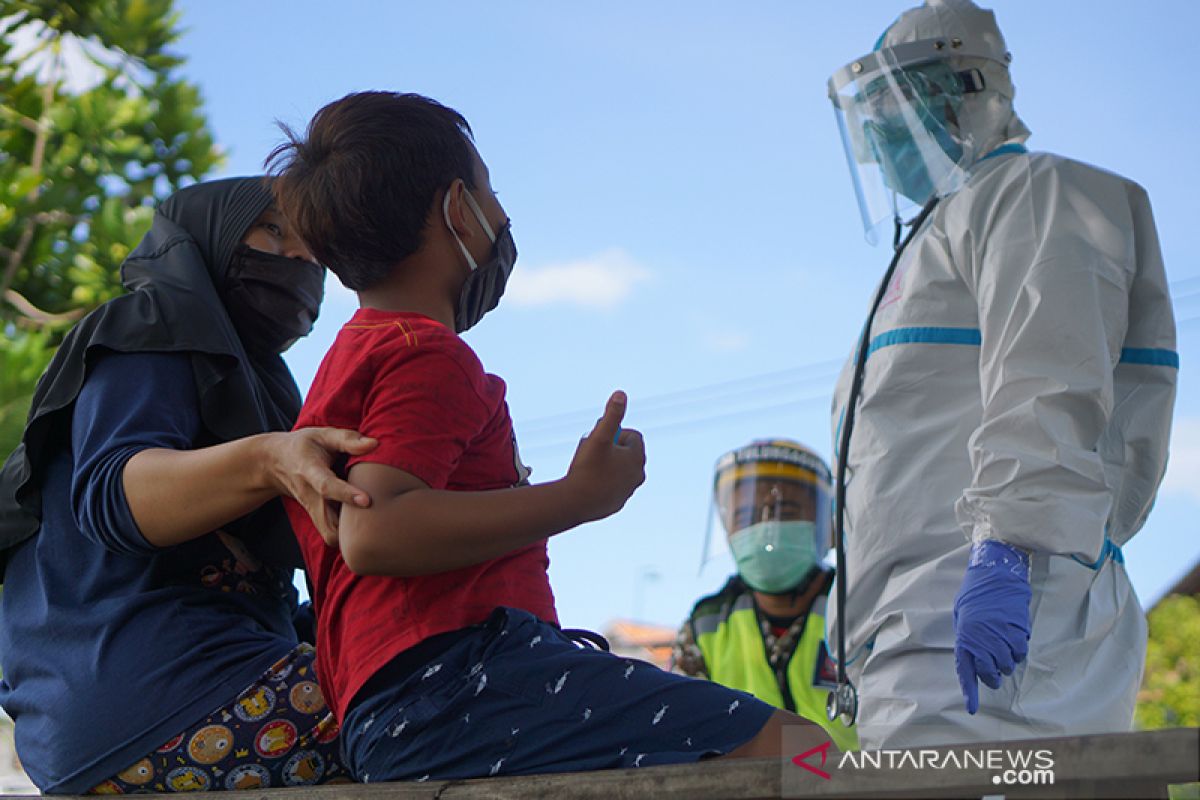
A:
900,111
772,502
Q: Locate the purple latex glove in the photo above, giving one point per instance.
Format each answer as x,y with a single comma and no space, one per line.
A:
991,617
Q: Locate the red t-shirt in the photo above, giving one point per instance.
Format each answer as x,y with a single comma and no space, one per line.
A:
414,385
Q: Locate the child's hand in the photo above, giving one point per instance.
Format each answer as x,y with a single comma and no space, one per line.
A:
609,463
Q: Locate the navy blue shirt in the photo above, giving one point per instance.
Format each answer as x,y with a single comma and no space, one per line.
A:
111,646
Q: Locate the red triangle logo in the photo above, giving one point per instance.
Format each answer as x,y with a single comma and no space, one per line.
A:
801,760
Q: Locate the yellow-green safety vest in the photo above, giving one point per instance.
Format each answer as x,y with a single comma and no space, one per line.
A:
735,655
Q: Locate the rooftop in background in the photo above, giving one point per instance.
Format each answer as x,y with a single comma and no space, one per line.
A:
1188,584
640,640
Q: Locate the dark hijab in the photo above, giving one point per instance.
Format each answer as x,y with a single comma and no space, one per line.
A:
174,277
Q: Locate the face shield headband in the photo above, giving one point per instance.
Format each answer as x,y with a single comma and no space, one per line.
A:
903,124
771,505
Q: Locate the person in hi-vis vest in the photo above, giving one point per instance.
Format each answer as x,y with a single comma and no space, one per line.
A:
764,632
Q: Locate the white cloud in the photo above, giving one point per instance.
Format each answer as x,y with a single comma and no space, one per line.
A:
1183,468
727,341
600,281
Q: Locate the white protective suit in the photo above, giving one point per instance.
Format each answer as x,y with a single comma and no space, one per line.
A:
1020,387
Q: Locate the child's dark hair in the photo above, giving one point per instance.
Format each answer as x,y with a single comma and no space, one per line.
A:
359,186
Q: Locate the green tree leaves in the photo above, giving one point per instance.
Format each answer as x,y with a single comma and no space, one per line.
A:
22,359
1170,694
95,129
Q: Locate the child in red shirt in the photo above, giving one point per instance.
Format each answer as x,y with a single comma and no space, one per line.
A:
438,643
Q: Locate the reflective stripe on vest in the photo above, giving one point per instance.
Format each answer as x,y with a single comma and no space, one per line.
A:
735,655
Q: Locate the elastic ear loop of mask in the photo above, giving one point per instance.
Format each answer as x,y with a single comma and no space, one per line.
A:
483,223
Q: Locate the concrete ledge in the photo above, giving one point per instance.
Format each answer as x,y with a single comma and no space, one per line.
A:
1122,765
1126,765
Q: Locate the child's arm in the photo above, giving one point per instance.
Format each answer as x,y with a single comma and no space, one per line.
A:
411,529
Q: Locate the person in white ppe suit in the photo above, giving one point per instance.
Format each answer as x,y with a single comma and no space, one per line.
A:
1002,427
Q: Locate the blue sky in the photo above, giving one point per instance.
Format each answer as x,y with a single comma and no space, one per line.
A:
686,221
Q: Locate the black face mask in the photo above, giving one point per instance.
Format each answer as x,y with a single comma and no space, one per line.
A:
485,285
272,300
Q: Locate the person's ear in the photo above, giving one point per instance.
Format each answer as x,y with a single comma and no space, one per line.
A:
458,213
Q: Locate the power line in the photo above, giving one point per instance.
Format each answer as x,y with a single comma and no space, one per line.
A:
684,402
1179,284
726,390
648,412
679,426
681,402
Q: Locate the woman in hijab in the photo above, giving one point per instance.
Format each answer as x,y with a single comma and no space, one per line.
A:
146,632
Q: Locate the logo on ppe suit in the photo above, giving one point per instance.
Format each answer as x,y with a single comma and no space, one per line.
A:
895,288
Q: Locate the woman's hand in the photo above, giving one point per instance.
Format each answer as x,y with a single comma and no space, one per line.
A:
178,495
299,464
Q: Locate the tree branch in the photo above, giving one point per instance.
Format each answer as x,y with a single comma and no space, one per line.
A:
32,312
25,122
17,254
52,216
38,158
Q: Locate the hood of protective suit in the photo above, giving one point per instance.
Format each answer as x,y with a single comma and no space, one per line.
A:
992,120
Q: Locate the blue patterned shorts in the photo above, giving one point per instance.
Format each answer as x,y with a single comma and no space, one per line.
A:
517,696
278,732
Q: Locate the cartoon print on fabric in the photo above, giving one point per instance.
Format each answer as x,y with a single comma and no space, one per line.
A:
248,776
171,745
187,779
275,739
255,705
210,744
303,769
327,729
255,742
306,697
139,774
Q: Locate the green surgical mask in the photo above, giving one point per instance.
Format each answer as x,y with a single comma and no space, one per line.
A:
774,557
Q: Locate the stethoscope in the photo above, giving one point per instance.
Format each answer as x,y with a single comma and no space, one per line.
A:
843,700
